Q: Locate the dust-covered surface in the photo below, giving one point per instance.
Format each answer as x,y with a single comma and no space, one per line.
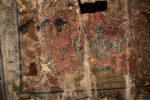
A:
56,53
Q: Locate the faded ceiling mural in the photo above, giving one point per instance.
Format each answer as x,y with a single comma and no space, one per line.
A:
57,52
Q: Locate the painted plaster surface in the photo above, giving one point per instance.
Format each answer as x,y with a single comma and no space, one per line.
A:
53,44
65,55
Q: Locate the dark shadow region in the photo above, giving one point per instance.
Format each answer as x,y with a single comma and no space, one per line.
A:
92,7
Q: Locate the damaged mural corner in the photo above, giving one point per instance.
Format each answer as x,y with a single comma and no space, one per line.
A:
74,49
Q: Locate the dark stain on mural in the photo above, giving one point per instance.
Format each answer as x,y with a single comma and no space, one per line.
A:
24,28
59,24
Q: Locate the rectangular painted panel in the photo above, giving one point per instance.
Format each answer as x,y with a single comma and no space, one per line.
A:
63,50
